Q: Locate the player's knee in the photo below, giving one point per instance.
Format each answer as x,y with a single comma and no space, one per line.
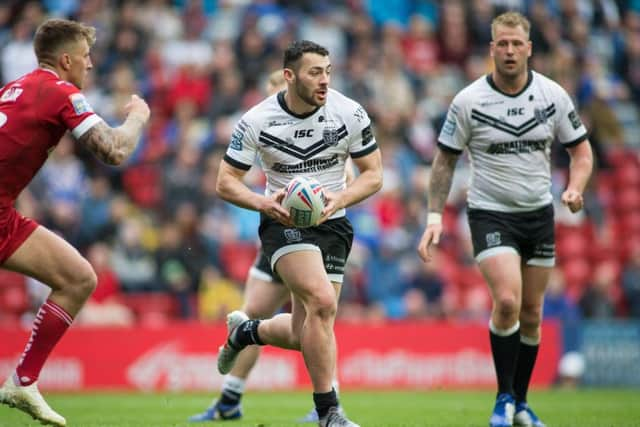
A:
85,281
530,316
506,306
323,305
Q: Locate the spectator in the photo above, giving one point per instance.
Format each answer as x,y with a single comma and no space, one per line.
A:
631,282
597,300
17,55
105,306
558,305
132,262
404,61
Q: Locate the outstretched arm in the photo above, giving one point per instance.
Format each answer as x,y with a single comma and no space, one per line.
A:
114,145
442,170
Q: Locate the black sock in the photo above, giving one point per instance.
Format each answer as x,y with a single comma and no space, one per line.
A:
505,357
230,397
247,334
526,361
324,401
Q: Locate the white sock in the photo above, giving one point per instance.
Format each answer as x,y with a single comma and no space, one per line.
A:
335,385
234,384
504,332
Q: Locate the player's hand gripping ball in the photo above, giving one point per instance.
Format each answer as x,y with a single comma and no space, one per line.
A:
304,199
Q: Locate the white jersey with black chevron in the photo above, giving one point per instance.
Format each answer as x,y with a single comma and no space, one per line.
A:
509,140
314,145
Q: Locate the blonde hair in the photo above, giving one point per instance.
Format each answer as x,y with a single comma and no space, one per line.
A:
54,34
510,19
275,82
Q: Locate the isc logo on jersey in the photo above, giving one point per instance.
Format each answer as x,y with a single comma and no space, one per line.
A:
304,199
80,104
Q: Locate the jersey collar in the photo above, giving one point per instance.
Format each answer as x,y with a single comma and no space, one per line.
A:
283,104
49,70
526,86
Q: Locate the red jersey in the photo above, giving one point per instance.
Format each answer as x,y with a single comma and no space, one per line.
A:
35,112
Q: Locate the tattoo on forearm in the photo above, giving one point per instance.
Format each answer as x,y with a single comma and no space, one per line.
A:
99,141
441,177
110,145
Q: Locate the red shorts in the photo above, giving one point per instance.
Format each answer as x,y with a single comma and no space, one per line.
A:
14,230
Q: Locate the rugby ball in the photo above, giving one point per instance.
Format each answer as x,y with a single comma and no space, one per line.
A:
304,199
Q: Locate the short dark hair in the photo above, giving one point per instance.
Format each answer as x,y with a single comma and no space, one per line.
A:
296,49
53,34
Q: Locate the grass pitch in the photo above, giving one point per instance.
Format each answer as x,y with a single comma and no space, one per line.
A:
557,408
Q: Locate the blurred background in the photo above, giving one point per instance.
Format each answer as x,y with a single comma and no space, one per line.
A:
167,251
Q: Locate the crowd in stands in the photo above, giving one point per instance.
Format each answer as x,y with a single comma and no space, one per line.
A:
164,246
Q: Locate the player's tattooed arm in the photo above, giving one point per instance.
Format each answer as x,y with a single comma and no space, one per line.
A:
442,170
114,145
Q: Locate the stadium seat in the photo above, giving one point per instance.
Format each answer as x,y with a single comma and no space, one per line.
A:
577,272
152,307
630,222
627,175
470,277
618,157
572,245
628,199
237,258
143,184
14,300
605,187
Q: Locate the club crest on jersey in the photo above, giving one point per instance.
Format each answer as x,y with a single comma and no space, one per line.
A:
331,136
80,104
540,115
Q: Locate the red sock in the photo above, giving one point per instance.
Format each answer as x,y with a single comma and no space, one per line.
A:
50,324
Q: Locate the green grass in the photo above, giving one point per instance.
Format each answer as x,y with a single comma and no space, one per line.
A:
583,408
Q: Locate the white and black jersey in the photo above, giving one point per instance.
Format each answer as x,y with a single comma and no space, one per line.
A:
509,140
313,145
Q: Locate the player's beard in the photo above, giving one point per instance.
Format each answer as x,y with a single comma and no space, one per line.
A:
306,94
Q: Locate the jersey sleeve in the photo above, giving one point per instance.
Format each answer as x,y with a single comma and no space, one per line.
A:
242,151
456,130
76,113
361,141
569,128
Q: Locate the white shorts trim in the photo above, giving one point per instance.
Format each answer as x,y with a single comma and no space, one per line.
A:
259,274
542,262
291,248
337,278
488,253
